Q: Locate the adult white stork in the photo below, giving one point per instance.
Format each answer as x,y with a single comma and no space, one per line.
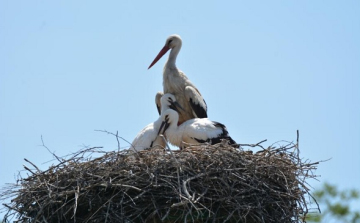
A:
177,83
149,136
194,131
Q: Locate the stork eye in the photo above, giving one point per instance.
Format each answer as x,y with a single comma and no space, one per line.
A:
170,41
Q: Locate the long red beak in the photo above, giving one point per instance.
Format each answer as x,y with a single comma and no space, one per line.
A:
161,53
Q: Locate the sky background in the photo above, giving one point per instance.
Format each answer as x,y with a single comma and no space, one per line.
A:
265,69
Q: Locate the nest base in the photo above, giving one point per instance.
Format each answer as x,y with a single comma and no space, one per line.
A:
202,184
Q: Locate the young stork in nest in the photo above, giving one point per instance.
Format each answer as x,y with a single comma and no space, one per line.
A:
177,83
149,136
194,131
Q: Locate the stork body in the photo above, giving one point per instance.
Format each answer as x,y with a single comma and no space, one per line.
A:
194,131
177,83
149,136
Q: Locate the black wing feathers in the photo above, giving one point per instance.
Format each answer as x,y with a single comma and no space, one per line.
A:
199,110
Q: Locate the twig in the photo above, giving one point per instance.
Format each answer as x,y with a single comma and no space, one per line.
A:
116,135
255,145
54,155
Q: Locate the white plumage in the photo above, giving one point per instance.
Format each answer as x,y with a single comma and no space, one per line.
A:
194,131
166,101
177,83
149,137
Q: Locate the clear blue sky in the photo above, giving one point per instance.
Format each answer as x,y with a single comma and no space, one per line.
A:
265,69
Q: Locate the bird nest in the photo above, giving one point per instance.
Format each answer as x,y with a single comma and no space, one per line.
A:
215,183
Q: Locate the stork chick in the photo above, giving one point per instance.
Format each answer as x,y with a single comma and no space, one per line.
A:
194,131
149,136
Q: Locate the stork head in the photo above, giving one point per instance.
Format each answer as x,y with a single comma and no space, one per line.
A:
170,119
171,42
169,101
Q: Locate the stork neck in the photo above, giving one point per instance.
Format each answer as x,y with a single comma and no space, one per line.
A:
171,62
174,117
175,120
158,122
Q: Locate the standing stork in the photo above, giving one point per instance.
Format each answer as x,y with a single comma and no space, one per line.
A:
194,131
177,83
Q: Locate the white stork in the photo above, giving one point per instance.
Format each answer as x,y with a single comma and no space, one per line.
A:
149,136
166,101
192,132
177,83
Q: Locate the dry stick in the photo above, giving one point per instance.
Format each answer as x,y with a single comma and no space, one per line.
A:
118,142
26,168
101,206
33,165
120,185
177,162
297,141
189,179
44,219
43,144
107,212
167,214
117,139
71,159
110,133
255,145
189,199
77,191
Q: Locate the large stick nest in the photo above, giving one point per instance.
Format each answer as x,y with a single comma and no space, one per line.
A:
201,184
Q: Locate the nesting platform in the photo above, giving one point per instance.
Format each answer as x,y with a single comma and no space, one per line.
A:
216,183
